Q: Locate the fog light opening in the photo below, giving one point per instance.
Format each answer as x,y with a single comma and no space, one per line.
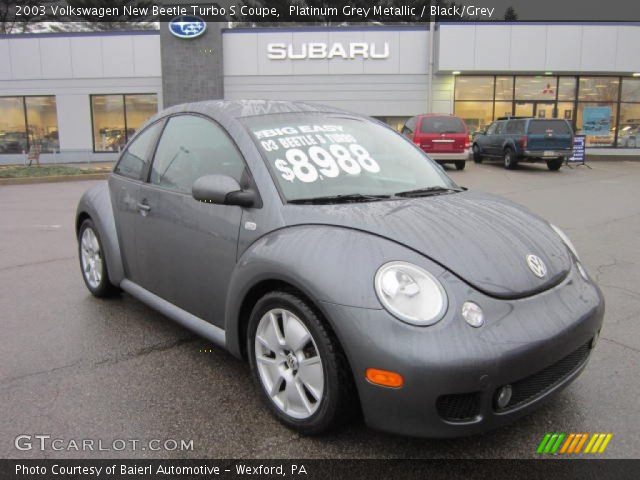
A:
503,396
594,340
472,314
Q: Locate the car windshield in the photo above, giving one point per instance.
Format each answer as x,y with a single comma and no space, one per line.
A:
325,155
541,127
441,125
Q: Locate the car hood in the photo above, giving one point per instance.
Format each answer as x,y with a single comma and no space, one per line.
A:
482,239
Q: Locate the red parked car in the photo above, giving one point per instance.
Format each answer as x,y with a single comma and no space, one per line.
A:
444,137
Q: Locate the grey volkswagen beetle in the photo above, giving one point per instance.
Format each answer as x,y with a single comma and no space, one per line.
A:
345,266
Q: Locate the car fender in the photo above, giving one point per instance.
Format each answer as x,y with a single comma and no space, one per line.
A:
96,203
328,264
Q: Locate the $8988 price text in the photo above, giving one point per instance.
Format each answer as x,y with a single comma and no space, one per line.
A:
318,162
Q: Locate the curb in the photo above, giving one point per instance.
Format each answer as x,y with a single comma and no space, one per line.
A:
54,179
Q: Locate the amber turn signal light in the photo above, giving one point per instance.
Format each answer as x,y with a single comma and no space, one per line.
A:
384,378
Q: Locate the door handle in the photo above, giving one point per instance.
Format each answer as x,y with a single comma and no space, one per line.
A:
143,208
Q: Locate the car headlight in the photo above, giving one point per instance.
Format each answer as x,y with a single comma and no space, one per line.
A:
566,240
410,293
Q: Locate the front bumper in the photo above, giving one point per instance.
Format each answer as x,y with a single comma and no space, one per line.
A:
452,367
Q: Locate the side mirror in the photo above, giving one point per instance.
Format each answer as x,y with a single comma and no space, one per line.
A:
222,190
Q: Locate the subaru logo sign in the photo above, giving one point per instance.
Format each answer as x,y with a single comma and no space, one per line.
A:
187,26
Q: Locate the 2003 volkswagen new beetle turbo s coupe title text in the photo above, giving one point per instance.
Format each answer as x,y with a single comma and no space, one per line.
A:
344,264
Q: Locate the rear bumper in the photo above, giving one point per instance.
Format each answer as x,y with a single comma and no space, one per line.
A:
452,372
553,153
449,157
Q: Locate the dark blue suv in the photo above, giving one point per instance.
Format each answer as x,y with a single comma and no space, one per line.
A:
525,139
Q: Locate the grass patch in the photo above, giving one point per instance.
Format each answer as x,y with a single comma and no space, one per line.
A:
46,171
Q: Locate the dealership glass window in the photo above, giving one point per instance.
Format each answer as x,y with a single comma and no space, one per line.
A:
474,88
504,88
13,136
42,123
601,120
116,118
567,88
629,132
27,121
477,115
503,109
600,89
630,90
536,88
565,110
394,122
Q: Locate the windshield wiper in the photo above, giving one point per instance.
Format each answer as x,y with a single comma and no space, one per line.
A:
423,192
346,198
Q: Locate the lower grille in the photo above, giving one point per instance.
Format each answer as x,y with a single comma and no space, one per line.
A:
544,380
460,407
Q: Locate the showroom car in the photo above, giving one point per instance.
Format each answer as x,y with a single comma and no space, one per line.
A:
445,138
344,265
515,140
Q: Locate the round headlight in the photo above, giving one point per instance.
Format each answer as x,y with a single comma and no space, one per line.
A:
410,293
566,240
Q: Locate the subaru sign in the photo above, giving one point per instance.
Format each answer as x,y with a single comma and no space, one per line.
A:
187,26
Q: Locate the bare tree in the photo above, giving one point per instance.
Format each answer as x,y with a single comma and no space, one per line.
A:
11,23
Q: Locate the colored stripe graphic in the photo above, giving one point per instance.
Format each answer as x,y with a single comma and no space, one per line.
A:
568,442
605,443
561,443
543,443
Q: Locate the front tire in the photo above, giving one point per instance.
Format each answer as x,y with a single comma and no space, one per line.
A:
509,159
460,164
555,164
297,364
92,263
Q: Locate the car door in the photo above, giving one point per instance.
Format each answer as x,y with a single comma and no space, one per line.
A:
124,187
496,139
187,249
485,139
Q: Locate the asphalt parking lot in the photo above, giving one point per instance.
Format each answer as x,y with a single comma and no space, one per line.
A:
76,367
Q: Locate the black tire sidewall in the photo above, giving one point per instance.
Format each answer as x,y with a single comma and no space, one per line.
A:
460,164
508,153
477,156
326,416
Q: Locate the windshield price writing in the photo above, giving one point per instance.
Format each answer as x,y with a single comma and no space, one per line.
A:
308,153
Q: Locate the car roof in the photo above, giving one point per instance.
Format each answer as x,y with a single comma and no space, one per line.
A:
249,108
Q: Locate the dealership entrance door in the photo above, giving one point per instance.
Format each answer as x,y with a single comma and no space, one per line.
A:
536,109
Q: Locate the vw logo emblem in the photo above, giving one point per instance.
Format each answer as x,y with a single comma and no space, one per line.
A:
537,266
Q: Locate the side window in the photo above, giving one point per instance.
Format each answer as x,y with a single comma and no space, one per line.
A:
499,128
492,128
191,147
135,158
515,126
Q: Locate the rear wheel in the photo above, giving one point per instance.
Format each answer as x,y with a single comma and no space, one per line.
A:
509,158
92,263
477,156
460,164
555,164
298,365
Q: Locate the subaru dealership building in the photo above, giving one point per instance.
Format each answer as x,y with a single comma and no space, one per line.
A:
79,97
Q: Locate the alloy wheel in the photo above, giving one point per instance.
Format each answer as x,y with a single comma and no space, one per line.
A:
91,258
289,364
